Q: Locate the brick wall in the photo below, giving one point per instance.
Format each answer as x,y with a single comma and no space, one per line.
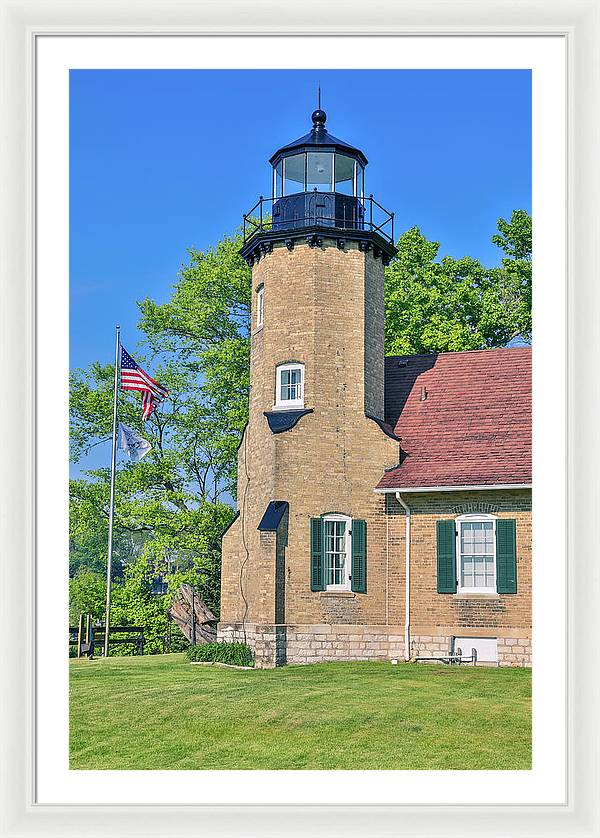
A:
434,617
374,371
314,313
489,615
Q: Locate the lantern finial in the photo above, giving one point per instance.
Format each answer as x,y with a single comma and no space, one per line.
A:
318,118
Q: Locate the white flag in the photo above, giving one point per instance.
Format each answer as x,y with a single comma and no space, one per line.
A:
135,445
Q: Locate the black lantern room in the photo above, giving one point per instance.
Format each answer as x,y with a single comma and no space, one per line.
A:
318,189
318,177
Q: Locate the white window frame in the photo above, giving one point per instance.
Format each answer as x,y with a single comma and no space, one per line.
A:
474,518
288,404
347,584
260,306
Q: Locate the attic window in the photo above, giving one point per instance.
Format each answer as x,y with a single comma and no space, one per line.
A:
289,388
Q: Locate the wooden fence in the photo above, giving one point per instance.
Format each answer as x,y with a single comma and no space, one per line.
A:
89,638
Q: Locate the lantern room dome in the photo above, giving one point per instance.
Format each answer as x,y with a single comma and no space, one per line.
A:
318,136
318,184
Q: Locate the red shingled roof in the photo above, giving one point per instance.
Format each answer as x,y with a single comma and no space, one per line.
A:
473,428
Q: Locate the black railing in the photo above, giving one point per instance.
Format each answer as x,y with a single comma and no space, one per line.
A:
319,209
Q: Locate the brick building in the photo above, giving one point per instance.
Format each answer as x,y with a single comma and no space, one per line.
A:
384,503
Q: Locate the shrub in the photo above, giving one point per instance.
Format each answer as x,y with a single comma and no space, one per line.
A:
234,653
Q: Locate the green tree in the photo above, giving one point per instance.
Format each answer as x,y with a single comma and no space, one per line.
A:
87,595
512,290
173,502
452,304
205,326
514,236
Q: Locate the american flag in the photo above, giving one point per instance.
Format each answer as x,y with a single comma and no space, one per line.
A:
133,377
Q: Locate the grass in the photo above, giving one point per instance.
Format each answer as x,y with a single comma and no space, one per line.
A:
160,712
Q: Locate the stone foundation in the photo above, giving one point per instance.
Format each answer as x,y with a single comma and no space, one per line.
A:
268,642
514,651
312,644
276,645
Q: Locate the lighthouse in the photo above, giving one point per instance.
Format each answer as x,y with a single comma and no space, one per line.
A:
307,548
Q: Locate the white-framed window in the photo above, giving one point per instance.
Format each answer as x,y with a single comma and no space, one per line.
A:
337,552
289,386
260,306
476,554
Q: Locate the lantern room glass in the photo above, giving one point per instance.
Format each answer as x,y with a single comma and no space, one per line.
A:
294,174
344,175
278,180
323,171
319,171
360,181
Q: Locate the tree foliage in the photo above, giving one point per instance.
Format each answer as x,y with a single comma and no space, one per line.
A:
448,305
205,328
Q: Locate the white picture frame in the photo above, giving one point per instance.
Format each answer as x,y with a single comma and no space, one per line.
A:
22,24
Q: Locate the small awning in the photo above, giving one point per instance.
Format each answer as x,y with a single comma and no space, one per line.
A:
283,420
273,515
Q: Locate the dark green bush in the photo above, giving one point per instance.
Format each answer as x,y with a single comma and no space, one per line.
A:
235,653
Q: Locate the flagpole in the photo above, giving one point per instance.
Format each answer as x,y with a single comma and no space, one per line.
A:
112,491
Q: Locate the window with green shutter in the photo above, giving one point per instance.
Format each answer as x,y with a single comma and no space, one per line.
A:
446,557
485,554
338,553
359,556
317,571
506,556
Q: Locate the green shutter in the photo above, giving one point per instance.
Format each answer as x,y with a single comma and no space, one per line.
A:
359,556
317,571
446,557
506,556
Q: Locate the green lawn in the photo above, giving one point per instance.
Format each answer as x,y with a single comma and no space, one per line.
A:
161,712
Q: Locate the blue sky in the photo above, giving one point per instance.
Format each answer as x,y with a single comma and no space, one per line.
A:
161,161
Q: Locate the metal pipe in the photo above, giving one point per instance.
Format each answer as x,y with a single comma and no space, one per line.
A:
80,635
113,466
193,631
406,577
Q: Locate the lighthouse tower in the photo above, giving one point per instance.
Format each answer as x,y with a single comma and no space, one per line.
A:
302,560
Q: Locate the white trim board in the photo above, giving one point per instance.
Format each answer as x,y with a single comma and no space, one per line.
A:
493,488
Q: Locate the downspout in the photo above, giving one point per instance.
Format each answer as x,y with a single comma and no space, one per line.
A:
407,578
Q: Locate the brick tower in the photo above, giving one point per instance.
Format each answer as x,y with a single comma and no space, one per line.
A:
294,559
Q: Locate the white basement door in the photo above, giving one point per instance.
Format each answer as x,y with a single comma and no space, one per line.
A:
487,647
